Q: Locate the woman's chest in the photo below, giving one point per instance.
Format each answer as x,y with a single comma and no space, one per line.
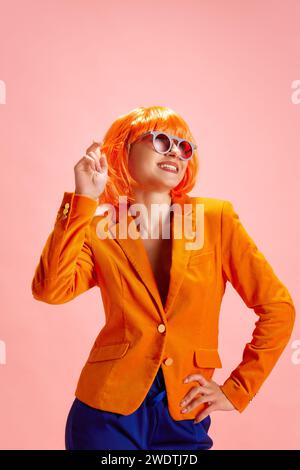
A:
159,253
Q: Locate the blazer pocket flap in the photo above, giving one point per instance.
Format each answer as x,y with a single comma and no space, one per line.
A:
207,358
110,351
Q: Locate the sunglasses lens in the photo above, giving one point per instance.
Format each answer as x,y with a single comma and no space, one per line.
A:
162,143
186,149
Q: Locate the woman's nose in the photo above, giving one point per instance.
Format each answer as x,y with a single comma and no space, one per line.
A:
174,149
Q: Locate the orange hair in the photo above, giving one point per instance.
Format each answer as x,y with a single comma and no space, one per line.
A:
124,131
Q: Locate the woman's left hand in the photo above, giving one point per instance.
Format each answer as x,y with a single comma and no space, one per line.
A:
208,392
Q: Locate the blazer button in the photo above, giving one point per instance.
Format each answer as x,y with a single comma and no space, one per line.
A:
67,205
161,328
168,361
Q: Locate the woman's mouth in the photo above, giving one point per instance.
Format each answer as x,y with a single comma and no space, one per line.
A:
172,167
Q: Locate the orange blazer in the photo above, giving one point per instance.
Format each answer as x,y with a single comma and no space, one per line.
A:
140,334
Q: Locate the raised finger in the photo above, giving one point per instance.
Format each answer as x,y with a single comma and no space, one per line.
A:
103,162
90,162
96,158
93,146
97,149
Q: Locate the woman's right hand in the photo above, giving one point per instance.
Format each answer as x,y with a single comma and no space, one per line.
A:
91,172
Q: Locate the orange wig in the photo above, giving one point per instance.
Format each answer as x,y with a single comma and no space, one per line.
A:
124,131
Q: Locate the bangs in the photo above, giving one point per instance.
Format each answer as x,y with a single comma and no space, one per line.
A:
158,118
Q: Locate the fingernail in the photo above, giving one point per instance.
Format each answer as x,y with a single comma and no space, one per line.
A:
185,380
183,410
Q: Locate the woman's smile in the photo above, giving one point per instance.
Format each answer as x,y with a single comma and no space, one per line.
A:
168,166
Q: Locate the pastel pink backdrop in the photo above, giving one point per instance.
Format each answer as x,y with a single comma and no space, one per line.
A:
70,68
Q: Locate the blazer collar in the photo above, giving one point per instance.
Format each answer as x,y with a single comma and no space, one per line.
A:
134,249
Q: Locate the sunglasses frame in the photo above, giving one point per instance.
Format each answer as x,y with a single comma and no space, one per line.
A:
171,138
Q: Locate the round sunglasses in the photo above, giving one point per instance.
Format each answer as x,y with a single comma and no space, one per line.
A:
162,142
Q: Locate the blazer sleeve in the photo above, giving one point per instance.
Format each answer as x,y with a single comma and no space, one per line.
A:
255,281
66,266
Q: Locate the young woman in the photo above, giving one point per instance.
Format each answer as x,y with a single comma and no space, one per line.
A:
161,294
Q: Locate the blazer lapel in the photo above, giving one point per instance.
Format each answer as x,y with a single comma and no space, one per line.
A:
135,251
133,247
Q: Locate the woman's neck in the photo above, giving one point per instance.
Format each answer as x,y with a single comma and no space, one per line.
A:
157,203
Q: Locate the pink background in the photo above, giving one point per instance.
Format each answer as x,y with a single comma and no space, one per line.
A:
72,67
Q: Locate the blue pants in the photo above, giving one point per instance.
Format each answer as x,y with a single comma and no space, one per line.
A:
150,427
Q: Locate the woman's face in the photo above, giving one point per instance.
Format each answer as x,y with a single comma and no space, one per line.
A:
145,166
